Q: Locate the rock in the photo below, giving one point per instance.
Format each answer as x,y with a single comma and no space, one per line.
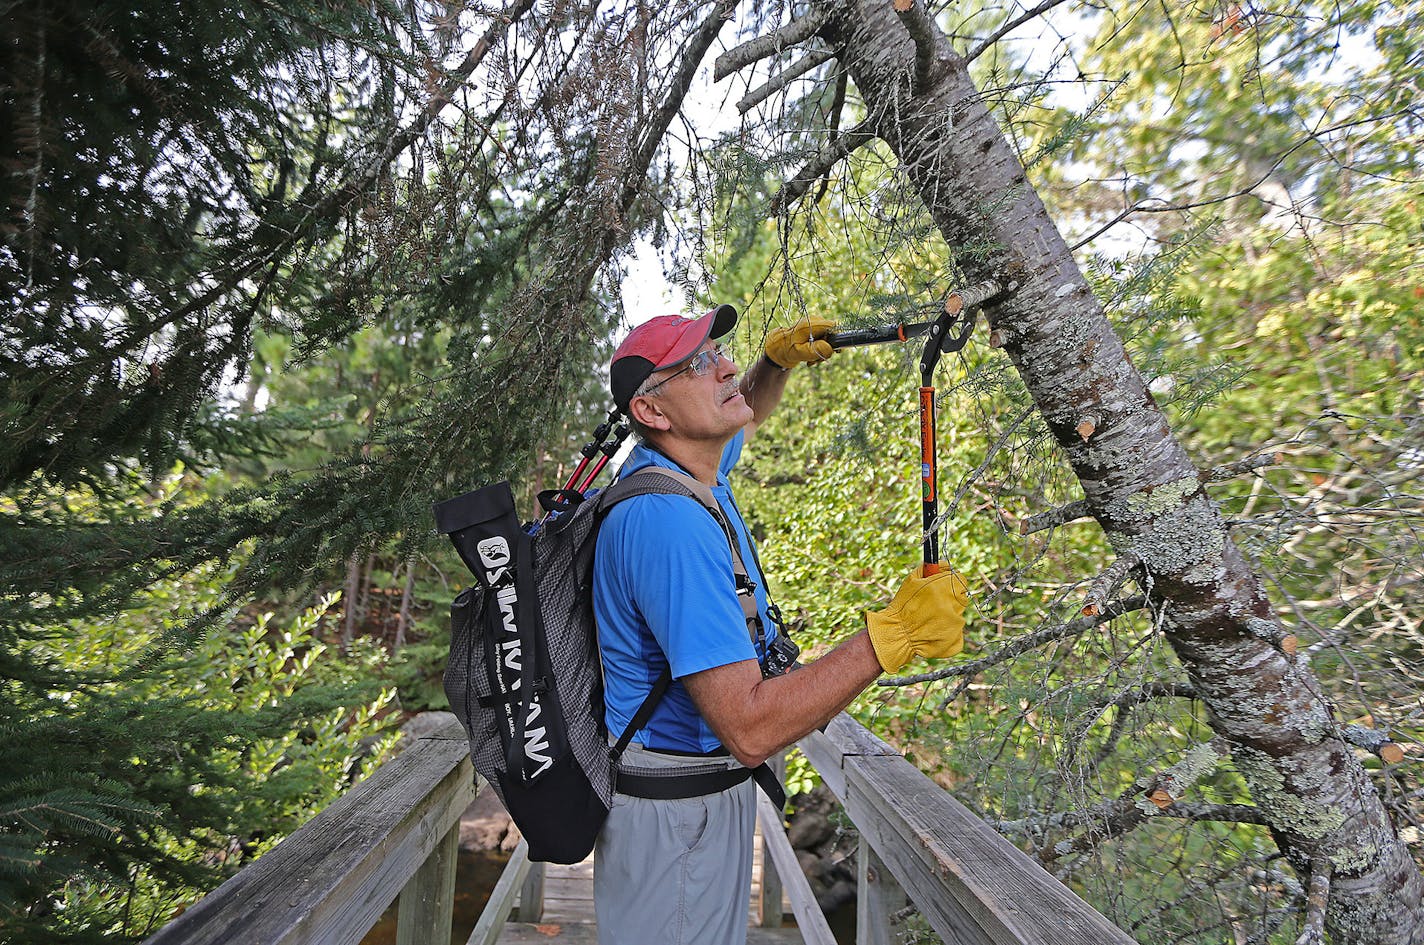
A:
809,830
486,825
823,848
842,892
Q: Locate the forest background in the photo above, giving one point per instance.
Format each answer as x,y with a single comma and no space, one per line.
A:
276,279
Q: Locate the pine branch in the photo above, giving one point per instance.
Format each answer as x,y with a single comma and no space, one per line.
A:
1080,509
1124,703
1009,27
355,184
820,165
1107,583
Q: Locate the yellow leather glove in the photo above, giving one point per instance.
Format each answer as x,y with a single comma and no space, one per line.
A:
802,342
925,618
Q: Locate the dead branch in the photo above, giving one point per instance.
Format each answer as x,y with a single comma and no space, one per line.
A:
1154,796
1062,515
1109,581
1009,27
1024,643
820,165
1243,466
1158,205
783,78
797,31
1079,508
1148,797
923,32
989,455
1217,813
1374,741
677,91
1316,899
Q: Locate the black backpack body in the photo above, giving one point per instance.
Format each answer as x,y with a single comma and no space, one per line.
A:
524,675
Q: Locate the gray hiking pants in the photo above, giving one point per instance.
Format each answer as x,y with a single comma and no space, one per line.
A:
675,872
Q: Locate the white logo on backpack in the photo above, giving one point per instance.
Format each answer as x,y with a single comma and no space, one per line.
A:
494,555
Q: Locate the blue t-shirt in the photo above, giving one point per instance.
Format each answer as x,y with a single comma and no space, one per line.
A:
663,589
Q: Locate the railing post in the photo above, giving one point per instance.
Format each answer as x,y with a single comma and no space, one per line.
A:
877,899
531,894
771,890
427,902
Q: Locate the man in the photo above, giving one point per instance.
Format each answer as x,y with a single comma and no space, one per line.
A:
673,871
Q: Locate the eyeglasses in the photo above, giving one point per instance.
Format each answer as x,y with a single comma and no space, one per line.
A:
701,363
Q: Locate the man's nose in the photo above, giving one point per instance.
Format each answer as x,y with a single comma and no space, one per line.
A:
726,368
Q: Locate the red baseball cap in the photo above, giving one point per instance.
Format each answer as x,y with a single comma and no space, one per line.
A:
660,343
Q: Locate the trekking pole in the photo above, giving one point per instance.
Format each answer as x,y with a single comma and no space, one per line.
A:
959,312
594,445
562,500
609,449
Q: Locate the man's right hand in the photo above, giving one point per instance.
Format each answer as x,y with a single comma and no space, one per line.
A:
925,618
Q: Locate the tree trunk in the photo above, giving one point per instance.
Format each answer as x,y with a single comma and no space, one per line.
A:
407,598
349,596
1138,481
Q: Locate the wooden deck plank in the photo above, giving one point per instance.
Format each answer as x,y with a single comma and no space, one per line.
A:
568,890
518,933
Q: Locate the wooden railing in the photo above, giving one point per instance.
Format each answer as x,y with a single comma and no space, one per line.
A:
396,833
919,845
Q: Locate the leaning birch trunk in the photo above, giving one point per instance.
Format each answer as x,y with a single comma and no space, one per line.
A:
1138,481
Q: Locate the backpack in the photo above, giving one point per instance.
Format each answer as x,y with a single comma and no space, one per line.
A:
524,675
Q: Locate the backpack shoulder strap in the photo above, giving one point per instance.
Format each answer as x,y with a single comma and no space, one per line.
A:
658,480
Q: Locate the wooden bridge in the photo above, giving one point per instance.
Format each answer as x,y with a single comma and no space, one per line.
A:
396,835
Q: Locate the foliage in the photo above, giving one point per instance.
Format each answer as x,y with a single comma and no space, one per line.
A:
257,241
411,293
159,778
1282,321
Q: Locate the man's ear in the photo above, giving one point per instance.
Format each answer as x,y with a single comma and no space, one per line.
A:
649,413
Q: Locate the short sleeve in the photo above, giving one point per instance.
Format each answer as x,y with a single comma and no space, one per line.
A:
679,576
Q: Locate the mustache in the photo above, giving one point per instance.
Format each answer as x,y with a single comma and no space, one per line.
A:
729,389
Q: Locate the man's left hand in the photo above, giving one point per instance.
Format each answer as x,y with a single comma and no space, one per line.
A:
803,342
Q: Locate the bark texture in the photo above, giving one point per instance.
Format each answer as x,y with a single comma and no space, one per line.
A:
1138,481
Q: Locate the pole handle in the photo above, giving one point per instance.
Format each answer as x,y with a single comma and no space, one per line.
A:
877,335
929,474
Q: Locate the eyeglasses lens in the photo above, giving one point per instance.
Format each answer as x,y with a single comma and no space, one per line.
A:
707,360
